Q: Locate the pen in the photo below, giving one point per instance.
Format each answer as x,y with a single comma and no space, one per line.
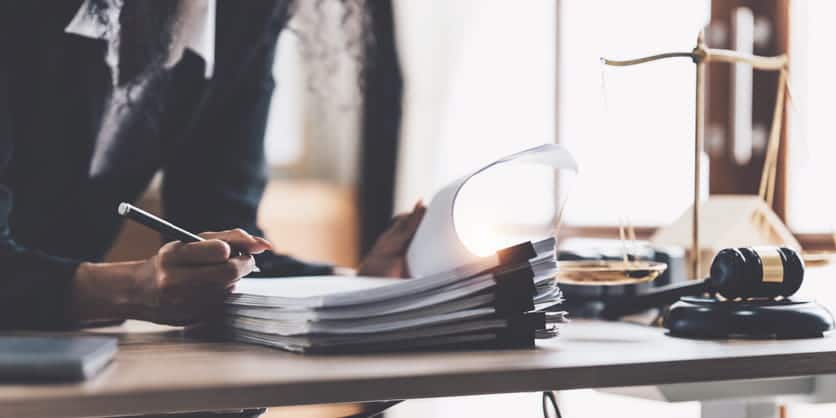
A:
166,228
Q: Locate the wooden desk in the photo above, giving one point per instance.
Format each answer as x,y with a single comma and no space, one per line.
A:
158,370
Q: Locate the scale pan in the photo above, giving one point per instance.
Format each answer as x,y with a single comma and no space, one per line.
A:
608,272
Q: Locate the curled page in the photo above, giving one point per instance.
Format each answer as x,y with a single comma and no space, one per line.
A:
437,246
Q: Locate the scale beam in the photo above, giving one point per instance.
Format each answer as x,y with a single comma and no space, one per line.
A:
701,55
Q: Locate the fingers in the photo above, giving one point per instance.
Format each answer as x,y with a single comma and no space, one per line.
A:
185,282
406,225
240,240
195,283
217,248
211,251
397,238
414,219
213,276
409,219
397,219
184,294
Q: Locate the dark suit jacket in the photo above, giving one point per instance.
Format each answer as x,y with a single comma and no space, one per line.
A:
205,135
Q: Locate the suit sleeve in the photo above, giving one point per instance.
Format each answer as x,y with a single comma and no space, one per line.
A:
34,287
216,181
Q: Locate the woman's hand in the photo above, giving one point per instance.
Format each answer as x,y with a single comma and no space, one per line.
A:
387,257
181,284
185,283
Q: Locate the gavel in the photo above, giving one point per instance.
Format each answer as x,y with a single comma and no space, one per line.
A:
736,273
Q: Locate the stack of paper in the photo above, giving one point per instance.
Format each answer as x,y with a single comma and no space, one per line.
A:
457,299
497,301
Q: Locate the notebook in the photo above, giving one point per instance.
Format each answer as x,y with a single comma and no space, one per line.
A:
29,358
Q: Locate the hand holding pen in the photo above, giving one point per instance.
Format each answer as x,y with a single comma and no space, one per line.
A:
189,278
174,232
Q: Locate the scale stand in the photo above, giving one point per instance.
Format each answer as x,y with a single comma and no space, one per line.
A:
712,318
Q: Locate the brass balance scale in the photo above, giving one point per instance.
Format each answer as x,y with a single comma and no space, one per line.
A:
774,312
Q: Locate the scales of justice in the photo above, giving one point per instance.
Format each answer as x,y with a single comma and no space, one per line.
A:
763,227
763,218
748,290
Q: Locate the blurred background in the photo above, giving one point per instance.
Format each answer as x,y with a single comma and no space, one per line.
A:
403,96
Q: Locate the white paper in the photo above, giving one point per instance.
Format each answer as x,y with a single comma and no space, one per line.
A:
310,286
437,246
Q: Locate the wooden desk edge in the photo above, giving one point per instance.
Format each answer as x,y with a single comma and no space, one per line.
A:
453,384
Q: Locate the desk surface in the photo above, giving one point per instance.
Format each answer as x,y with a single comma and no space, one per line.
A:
159,370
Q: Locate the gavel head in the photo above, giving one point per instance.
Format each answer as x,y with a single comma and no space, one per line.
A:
757,272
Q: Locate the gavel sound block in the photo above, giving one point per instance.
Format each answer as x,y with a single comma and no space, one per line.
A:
747,294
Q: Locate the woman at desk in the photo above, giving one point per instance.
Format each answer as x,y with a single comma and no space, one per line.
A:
98,95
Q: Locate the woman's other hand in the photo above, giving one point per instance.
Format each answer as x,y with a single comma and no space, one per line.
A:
387,257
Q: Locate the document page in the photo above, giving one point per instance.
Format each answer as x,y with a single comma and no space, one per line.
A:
437,246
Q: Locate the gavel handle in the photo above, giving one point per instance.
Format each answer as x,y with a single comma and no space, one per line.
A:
660,296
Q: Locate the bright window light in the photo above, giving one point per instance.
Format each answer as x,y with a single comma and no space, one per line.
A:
812,202
479,85
285,124
631,128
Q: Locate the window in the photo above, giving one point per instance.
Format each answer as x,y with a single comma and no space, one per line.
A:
628,125
812,202
285,129
314,122
479,84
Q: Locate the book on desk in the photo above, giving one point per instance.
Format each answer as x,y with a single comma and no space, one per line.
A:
41,358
